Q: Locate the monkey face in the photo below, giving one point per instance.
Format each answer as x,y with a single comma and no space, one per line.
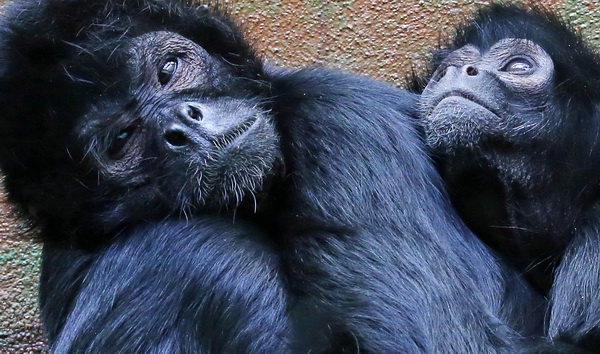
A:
179,131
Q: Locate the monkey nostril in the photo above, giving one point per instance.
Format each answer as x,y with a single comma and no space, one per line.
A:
472,71
190,111
176,138
194,112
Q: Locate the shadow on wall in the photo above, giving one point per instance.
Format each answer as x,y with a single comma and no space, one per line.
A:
385,40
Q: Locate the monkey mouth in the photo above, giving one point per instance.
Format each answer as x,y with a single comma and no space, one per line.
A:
469,97
223,140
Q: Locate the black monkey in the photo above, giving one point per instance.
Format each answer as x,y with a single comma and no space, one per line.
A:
118,131
512,112
191,200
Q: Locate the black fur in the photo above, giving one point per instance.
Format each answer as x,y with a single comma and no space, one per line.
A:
531,190
372,241
204,286
344,241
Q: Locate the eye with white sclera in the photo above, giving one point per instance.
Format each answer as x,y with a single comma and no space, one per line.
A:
167,71
519,66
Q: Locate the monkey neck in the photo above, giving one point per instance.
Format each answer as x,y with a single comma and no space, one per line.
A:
517,209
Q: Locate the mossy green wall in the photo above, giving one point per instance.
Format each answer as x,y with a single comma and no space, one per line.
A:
384,39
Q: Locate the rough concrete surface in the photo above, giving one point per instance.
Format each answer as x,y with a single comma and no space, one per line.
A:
384,39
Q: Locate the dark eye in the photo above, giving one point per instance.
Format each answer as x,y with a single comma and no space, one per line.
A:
117,149
167,70
518,66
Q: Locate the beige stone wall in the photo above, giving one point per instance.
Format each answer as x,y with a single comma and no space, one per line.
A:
384,39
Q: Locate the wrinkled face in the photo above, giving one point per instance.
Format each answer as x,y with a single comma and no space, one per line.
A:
498,95
186,134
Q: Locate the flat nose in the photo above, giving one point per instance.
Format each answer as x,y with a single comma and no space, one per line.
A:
180,134
189,110
471,70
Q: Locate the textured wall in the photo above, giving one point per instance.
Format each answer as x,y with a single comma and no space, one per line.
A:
384,39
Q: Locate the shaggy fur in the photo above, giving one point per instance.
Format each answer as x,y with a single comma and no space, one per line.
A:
344,242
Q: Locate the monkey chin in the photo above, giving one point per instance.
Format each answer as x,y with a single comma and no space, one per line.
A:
458,123
238,173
